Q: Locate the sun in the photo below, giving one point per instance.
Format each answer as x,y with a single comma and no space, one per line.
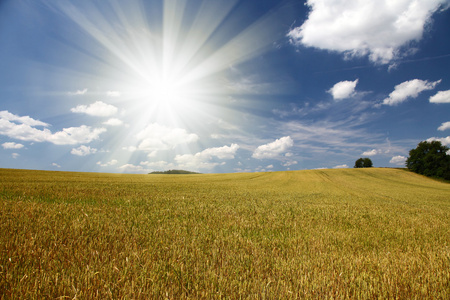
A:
167,91
162,91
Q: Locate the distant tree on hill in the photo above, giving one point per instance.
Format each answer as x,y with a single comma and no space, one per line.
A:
174,172
430,159
363,163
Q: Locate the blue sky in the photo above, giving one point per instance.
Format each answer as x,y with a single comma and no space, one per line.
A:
221,86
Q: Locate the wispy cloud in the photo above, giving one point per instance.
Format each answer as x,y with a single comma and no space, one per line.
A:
409,89
113,93
130,168
78,92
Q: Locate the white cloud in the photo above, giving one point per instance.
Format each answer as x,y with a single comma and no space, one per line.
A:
441,97
158,165
113,122
110,163
344,89
371,27
289,163
98,109
26,132
203,159
113,94
130,168
370,152
341,167
398,160
130,148
15,155
444,126
445,140
225,152
78,92
26,120
56,165
158,137
409,89
75,135
83,150
273,149
12,145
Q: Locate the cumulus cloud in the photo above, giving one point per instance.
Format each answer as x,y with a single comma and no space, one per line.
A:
344,89
398,160
445,140
12,145
158,137
26,120
83,150
344,166
56,165
444,126
98,109
110,163
441,97
409,89
204,159
370,152
273,149
375,28
75,135
22,128
113,122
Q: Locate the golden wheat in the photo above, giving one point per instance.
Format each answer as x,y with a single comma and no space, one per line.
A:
336,234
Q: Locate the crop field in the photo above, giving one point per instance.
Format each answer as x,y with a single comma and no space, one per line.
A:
320,234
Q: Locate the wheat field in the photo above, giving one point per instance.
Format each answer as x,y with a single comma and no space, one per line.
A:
318,234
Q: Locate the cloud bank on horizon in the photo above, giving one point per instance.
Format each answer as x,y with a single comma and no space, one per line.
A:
221,87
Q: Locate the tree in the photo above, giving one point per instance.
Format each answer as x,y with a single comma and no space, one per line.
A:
430,159
363,163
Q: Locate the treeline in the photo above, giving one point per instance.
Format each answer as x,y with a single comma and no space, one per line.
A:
174,172
430,158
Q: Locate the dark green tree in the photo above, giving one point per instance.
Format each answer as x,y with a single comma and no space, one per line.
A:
363,163
367,163
430,159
